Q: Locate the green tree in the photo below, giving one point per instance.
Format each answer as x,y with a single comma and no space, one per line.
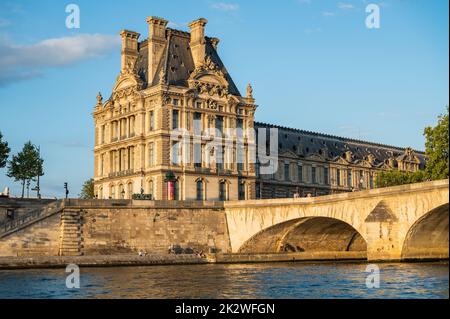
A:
436,149
394,178
26,165
4,151
87,190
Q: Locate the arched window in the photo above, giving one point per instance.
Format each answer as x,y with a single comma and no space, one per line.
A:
130,190
176,190
200,190
121,192
150,189
223,196
100,193
242,191
112,192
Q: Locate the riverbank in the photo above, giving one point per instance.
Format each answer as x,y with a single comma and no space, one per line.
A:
153,260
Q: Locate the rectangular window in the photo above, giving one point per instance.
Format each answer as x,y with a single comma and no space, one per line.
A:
338,176
361,179
103,134
325,175
349,178
371,180
197,123
219,124
198,105
300,173
174,152
175,115
286,172
151,155
152,121
175,102
313,175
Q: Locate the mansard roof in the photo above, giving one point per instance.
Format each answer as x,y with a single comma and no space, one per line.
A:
333,147
177,61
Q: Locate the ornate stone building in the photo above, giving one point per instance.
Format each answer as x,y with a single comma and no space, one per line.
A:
173,81
174,96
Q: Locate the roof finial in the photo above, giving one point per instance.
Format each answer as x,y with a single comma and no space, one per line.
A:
249,91
162,76
99,99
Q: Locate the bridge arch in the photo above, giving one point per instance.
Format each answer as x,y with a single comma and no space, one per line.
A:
428,236
307,234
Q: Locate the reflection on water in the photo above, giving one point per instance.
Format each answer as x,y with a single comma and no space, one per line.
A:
280,280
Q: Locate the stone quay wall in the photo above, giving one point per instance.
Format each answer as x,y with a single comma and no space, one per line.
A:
122,227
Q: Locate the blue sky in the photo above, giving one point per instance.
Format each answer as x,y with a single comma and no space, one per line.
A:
313,65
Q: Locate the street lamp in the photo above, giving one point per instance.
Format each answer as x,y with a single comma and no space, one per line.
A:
66,189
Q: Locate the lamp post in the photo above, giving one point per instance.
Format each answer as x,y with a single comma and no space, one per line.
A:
66,189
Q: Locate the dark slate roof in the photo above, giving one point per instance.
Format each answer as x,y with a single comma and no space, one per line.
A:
315,143
178,62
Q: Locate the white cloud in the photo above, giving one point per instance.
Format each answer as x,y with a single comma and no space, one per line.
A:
345,6
328,13
19,62
223,6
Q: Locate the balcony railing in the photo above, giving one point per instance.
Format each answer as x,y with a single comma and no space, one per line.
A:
203,170
122,173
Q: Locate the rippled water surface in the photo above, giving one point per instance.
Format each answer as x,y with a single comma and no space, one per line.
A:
280,280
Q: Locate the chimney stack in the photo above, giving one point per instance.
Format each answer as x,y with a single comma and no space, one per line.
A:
156,44
198,41
129,49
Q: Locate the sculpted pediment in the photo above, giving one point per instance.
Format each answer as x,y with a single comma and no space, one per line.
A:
125,81
288,153
341,160
365,163
315,157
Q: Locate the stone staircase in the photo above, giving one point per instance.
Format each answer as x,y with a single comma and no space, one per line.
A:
71,233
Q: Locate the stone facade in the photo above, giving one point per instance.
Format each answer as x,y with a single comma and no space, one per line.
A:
172,83
173,96
321,164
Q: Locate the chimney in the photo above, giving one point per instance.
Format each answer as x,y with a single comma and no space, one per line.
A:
198,41
156,44
129,49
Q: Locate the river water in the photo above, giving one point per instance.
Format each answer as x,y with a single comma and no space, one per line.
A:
274,280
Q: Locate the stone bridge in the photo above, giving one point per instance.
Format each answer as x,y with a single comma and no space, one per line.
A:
398,223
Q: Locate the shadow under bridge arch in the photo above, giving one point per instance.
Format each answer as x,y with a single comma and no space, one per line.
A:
310,234
428,237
